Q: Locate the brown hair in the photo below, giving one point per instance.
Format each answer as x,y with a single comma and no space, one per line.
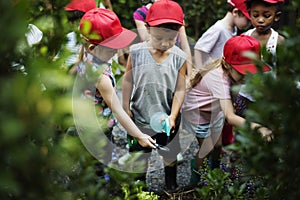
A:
84,46
171,26
230,8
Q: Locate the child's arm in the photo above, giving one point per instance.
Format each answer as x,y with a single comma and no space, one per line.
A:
142,30
178,96
185,46
127,87
236,120
111,99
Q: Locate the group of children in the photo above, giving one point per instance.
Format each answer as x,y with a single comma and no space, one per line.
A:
262,14
156,74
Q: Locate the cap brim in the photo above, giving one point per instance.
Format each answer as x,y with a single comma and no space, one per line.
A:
68,9
84,10
163,21
250,68
246,14
119,41
274,1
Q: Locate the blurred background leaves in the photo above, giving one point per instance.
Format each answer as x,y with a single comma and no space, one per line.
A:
38,160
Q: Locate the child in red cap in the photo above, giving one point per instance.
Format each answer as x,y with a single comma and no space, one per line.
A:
263,14
155,82
103,35
75,10
139,17
208,102
210,47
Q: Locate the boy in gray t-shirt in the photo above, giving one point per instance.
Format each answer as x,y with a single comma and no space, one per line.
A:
155,82
210,45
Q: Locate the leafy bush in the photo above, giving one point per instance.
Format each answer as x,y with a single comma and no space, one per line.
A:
277,104
39,161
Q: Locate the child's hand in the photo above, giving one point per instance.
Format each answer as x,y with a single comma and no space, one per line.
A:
146,141
172,123
266,133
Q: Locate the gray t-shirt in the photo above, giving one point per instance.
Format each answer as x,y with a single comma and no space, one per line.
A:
153,84
213,40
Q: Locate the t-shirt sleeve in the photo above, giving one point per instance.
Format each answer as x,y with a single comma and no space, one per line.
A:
140,14
208,40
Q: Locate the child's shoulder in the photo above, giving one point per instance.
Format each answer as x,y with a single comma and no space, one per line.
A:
178,51
218,25
217,28
280,38
217,75
139,46
249,32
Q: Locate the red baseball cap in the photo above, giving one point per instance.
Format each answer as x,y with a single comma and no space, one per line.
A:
241,5
81,5
274,1
102,27
165,11
234,50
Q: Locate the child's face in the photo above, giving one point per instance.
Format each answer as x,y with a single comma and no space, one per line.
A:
103,53
162,39
262,16
236,77
241,22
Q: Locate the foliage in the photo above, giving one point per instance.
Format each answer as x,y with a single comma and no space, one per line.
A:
225,183
219,186
277,104
37,159
137,192
199,14
40,161
124,10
